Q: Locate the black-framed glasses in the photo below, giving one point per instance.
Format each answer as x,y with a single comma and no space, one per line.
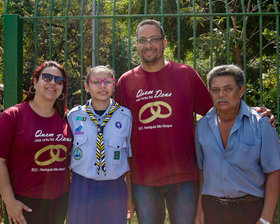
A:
47,77
152,40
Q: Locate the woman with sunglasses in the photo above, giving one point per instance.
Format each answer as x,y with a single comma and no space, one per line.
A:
101,147
35,140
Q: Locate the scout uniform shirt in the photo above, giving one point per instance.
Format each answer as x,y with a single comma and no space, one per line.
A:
116,135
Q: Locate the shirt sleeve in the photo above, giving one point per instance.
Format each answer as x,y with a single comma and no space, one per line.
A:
7,132
202,98
70,122
120,96
199,152
270,148
129,138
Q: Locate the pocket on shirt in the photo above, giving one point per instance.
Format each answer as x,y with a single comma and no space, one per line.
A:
116,151
245,156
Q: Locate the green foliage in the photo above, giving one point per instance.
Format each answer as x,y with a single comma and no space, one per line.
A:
261,89
268,93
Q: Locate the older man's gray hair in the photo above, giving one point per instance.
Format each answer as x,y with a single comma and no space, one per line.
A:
224,70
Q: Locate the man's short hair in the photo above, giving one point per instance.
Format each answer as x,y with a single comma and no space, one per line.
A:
150,22
225,70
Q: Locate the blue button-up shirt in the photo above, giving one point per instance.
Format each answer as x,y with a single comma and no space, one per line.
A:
239,169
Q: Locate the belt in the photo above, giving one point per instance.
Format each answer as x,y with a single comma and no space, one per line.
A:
235,201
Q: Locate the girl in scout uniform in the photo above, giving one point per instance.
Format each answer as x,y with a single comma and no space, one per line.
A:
100,190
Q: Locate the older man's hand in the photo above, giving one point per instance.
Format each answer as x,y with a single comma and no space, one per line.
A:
267,112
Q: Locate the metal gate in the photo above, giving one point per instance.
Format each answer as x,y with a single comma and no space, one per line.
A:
80,34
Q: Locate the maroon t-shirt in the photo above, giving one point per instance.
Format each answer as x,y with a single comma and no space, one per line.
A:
162,104
36,150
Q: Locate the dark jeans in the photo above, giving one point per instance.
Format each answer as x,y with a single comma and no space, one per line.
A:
243,213
45,211
180,198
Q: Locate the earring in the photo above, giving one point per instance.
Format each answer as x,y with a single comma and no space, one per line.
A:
32,90
61,97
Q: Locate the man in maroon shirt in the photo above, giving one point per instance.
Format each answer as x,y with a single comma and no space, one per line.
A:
162,95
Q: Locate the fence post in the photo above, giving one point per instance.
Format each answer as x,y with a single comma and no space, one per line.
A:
13,63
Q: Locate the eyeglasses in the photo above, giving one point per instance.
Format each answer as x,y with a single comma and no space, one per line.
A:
47,77
152,40
98,82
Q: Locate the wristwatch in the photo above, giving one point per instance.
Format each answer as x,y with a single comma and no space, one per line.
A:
263,221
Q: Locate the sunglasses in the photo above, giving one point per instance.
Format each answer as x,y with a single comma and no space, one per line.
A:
107,82
47,77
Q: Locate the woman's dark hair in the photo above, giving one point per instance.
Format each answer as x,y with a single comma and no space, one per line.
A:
59,104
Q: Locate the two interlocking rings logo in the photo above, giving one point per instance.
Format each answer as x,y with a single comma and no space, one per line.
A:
54,153
155,113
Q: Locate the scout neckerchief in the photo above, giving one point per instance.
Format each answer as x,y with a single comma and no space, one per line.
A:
99,140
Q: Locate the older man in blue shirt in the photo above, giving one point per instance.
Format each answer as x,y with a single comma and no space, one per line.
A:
238,155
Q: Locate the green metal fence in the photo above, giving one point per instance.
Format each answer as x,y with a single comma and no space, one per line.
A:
80,34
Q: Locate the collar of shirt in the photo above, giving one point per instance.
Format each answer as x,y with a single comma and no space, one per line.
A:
213,122
101,118
244,110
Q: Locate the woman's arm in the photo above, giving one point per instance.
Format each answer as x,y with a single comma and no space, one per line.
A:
14,207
